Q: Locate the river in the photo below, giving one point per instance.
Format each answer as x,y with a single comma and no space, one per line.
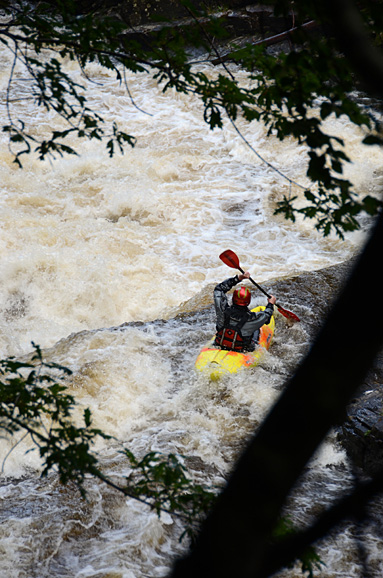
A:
109,265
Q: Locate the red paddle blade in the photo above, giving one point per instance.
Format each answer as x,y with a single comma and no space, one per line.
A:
230,259
287,313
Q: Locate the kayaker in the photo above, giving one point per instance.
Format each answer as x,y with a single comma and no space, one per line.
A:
237,326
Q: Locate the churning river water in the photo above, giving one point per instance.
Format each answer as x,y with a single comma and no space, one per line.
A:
109,265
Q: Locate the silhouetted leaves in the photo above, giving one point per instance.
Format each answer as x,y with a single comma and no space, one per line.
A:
291,92
34,400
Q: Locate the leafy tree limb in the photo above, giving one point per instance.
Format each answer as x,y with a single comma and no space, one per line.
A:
34,400
282,89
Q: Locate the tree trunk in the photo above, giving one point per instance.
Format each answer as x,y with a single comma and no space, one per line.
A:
234,540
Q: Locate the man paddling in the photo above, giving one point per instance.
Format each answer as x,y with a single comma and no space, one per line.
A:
237,326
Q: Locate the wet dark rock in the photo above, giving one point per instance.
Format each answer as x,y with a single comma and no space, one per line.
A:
362,431
241,21
241,17
311,296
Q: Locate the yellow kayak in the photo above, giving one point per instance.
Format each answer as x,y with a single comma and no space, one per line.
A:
215,362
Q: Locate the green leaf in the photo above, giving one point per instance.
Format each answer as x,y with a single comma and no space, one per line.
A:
373,140
87,417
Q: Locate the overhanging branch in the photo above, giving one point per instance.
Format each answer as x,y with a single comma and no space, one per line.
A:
276,39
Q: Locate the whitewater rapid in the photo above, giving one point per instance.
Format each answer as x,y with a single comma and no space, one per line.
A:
100,260
90,241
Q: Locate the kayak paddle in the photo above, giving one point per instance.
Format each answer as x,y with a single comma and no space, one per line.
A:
231,259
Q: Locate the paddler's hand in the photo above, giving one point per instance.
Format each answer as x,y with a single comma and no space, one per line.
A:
272,300
243,276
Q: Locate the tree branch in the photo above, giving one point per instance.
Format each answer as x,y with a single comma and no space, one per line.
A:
269,41
347,508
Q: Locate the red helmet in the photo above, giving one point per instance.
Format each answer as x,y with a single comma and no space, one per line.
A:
242,296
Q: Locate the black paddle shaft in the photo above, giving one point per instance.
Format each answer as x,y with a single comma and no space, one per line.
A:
231,259
256,284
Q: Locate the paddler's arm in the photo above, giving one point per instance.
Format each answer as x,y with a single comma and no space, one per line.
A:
269,310
261,318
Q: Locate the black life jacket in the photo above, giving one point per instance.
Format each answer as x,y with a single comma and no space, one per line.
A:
229,336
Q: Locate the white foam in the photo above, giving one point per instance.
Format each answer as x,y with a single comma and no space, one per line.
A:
89,242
